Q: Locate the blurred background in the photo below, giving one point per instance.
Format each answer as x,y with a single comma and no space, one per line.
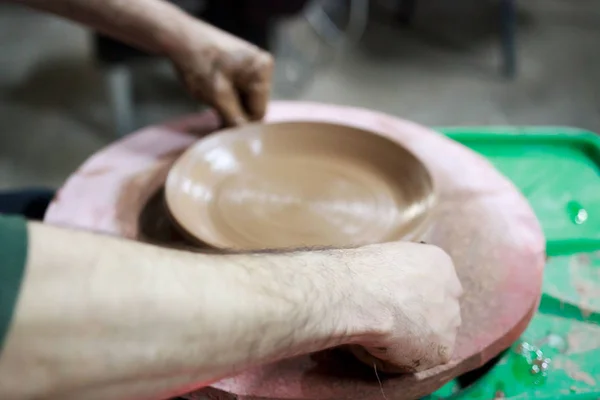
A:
66,92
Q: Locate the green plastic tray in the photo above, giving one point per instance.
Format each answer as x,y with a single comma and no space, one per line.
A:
557,169
564,335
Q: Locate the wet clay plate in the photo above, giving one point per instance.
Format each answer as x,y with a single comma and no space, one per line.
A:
299,184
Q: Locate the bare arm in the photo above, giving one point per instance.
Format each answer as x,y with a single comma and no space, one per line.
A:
152,25
217,68
104,318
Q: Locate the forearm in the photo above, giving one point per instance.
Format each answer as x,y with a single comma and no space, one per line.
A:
156,26
100,317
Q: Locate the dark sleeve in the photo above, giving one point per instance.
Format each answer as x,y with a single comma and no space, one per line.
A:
13,256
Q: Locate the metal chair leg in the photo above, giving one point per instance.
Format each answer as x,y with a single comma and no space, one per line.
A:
120,91
508,17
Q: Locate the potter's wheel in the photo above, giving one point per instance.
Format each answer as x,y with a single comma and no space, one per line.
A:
481,221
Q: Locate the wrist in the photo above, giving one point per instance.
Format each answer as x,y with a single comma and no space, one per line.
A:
300,292
331,296
363,314
175,33
188,38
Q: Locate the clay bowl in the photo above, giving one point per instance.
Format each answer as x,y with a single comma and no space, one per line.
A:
299,184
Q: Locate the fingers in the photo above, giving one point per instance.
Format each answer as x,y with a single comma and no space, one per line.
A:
238,85
376,361
259,89
255,84
402,361
246,97
227,101
257,98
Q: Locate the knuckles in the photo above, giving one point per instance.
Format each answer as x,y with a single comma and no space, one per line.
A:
265,62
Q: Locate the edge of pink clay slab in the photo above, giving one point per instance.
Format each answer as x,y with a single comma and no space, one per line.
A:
512,252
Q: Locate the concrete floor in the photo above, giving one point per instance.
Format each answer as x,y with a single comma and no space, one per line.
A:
443,71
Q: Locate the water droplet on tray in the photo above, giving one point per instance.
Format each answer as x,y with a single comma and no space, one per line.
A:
577,213
529,365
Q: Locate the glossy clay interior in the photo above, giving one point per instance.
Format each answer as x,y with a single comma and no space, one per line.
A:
293,185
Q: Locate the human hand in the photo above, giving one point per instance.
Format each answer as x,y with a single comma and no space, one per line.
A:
409,293
225,72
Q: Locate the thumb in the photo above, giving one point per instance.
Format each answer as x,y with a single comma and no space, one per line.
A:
376,358
258,87
227,101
